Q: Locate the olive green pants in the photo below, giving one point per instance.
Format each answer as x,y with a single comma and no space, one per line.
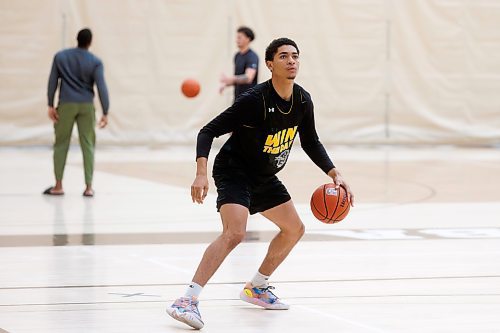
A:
84,116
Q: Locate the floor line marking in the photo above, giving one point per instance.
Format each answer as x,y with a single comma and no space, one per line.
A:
243,282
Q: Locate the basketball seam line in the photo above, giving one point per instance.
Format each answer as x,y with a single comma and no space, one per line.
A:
324,201
347,203
317,210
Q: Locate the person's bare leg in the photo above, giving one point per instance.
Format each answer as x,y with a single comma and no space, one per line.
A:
58,188
88,190
291,230
234,221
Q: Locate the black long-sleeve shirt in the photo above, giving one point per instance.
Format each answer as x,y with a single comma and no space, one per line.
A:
263,127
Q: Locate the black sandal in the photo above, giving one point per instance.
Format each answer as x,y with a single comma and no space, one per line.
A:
49,191
85,194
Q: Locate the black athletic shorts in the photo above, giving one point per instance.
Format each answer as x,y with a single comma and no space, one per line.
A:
257,194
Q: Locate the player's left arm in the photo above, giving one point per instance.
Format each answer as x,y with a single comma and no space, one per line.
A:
250,70
316,151
338,180
103,93
245,78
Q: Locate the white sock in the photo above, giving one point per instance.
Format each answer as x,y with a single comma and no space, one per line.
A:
260,280
193,290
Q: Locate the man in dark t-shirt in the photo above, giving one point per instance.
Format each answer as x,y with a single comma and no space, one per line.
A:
264,122
246,64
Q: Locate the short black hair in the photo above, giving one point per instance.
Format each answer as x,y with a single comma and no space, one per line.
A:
247,32
275,45
84,37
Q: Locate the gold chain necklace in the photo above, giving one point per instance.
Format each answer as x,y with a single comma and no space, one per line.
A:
289,110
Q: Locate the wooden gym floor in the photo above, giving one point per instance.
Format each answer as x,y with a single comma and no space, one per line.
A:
420,252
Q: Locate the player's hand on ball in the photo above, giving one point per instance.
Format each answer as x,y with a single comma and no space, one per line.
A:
339,180
199,189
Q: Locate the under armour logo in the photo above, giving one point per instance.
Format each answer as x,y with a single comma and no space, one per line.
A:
271,109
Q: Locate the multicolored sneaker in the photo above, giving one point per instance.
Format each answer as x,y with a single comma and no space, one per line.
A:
262,297
185,309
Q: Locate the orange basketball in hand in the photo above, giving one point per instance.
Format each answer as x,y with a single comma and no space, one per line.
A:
190,88
330,204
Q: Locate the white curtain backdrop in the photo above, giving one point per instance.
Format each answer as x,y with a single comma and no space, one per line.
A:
379,71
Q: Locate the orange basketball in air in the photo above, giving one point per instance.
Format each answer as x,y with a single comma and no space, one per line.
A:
190,88
330,204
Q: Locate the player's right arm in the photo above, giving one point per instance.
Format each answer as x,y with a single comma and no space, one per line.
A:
199,189
51,91
241,112
222,124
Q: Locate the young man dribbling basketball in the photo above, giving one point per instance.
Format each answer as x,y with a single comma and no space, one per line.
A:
264,122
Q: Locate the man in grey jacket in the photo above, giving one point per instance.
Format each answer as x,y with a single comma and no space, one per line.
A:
75,71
